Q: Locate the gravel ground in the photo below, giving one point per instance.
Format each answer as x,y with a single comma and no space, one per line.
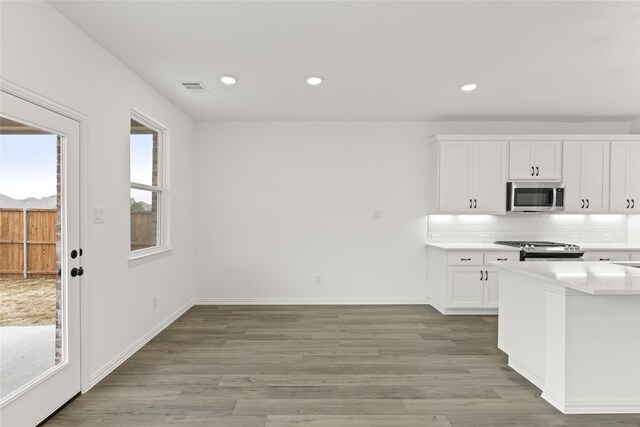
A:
27,302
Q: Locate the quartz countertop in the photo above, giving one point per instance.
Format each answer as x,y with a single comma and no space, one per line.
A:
612,247
595,278
487,247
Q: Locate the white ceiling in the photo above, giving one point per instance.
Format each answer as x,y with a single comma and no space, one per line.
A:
380,60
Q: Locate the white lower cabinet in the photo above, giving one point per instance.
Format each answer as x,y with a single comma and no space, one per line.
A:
606,256
464,282
635,256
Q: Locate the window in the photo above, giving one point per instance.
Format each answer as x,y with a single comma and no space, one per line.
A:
148,192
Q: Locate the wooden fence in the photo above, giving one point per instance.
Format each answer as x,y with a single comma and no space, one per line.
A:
41,241
35,240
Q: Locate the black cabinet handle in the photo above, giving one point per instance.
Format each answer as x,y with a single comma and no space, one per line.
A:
582,207
486,275
502,259
475,203
537,171
605,259
481,276
74,254
633,203
628,203
533,171
80,271
470,203
587,203
465,259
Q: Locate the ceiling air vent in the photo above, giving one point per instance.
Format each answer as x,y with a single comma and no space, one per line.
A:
194,86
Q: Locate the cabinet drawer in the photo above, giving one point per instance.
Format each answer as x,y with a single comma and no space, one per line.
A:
501,256
465,258
606,256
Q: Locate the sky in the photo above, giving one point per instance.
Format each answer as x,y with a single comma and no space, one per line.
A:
28,165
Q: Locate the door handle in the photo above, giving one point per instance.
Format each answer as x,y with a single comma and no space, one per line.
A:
628,203
533,170
537,171
582,207
587,203
77,272
475,203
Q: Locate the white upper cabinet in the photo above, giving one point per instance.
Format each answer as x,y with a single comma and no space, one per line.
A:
625,177
471,176
585,172
535,160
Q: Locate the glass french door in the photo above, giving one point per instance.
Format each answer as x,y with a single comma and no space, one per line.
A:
40,261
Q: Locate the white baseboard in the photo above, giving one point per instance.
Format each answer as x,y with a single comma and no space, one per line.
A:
97,376
310,301
534,378
592,407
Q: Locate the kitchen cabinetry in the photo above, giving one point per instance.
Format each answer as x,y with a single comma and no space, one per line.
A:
470,176
625,177
463,282
606,256
585,172
635,256
537,160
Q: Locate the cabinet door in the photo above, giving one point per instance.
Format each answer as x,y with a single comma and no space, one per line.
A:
605,256
572,174
490,177
635,256
521,159
490,288
548,160
595,176
456,176
465,289
634,176
619,185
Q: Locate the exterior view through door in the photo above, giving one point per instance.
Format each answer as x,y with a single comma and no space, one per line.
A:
39,270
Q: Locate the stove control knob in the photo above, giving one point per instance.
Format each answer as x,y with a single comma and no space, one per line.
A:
567,247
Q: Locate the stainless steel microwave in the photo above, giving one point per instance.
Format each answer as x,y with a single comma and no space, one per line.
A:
535,196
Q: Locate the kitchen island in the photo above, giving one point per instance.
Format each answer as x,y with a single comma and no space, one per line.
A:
573,330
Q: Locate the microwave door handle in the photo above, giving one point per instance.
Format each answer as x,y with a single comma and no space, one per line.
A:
555,195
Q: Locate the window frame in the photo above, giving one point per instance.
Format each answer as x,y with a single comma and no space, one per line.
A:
163,244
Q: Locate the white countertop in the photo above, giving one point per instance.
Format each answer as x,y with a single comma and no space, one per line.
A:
612,247
595,278
487,247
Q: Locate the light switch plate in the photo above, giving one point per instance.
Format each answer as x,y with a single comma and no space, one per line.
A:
98,216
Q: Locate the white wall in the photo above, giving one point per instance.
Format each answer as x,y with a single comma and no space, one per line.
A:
43,52
280,203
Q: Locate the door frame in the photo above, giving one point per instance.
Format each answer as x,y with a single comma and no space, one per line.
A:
83,120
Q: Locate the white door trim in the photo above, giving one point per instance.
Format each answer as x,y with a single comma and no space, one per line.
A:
83,120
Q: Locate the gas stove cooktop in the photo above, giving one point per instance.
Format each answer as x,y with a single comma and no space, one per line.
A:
540,251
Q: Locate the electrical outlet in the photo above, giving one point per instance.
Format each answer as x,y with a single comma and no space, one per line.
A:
154,302
318,280
98,216
484,238
377,214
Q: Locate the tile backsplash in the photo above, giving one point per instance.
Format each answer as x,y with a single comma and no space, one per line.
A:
563,228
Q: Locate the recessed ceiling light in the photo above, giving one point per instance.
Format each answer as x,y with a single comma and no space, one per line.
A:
314,81
228,80
468,87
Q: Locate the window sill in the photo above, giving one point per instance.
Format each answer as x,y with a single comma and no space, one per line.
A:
146,255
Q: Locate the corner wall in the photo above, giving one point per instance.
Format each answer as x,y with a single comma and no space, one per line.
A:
46,54
281,203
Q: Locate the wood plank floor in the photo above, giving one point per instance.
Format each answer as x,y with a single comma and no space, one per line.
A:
321,366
